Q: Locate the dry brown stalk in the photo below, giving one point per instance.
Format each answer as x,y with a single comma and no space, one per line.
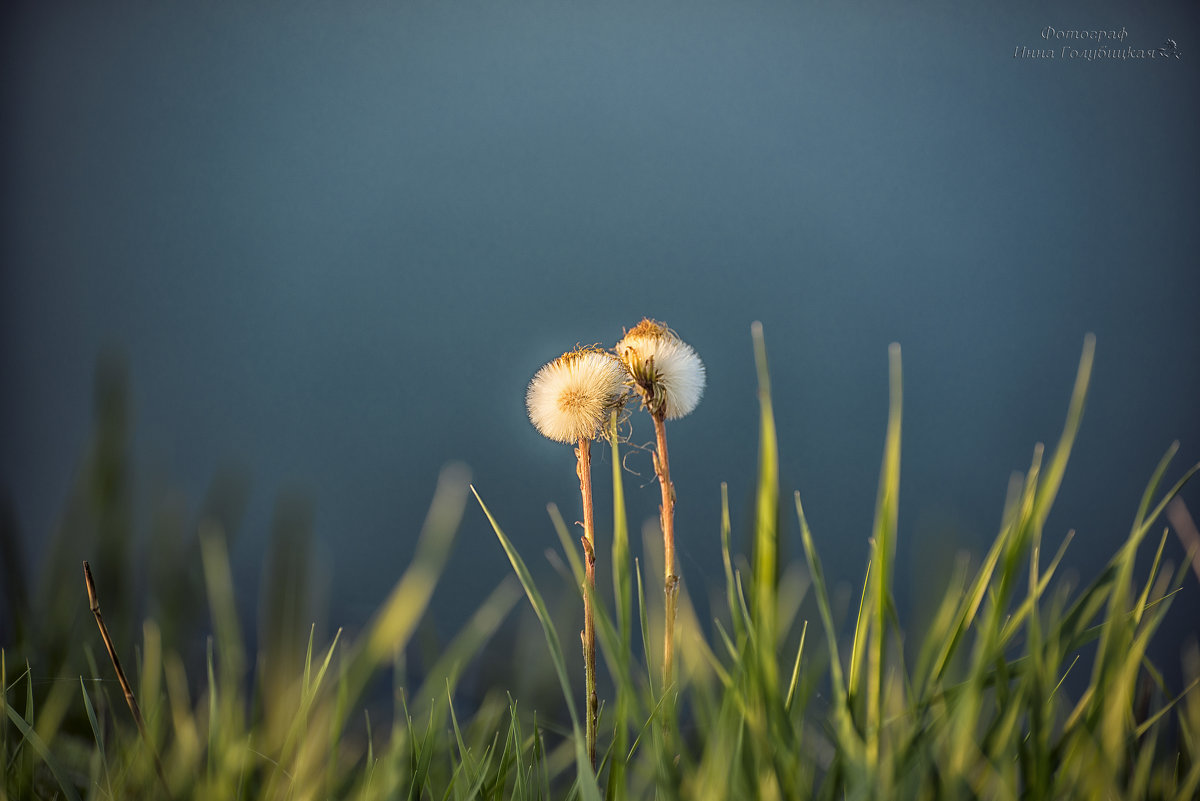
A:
94,603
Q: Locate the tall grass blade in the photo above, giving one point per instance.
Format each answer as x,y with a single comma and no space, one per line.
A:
1054,470
766,530
886,516
623,610
587,780
847,738
787,704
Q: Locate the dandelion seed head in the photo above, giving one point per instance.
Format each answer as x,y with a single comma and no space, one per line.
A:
665,370
569,399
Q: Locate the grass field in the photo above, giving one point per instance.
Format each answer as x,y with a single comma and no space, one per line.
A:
764,704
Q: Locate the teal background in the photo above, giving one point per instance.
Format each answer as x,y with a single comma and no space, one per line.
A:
334,241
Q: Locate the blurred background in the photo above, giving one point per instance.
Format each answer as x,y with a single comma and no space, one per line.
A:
293,258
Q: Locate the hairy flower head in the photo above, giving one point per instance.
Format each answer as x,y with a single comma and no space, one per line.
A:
666,372
569,399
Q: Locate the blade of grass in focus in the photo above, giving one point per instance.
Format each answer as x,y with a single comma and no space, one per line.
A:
586,778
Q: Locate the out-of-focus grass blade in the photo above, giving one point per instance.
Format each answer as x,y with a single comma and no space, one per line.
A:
218,581
1029,605
42,750
886,516
479,629
822,596
735,613
1140,606
316,683
389,631
1145,725
622,582
1052,473
310,689
397,620
766,546
623,611
644,624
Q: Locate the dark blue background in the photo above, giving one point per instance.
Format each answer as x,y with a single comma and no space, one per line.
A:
335,241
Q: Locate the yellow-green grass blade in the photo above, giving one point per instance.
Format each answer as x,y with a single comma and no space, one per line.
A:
766,533
1038,584
883,547
858,646
621,558
644,624
735,612
623,610
787,704
1054,470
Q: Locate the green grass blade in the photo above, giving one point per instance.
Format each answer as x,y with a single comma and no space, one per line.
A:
1140,606
735,614
1054,470
623,610
644,625
858,646
787,705
587,780
622,581
42,750
766,533
886,517
465,759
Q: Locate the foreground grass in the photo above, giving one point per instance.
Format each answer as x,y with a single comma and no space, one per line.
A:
981,711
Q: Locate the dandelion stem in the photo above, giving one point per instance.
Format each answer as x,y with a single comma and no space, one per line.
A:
662,466
583,453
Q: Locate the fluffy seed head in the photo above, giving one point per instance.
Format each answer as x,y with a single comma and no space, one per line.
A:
569,399
666,372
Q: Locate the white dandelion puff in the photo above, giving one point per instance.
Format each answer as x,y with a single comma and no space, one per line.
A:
666,370
569,399
669,377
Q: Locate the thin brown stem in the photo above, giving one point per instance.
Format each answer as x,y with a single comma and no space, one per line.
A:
584,468
662,467
94,603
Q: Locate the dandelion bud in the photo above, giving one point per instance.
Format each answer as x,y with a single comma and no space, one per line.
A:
666,371
570,398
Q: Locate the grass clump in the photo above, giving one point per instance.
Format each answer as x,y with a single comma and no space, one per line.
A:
974,706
